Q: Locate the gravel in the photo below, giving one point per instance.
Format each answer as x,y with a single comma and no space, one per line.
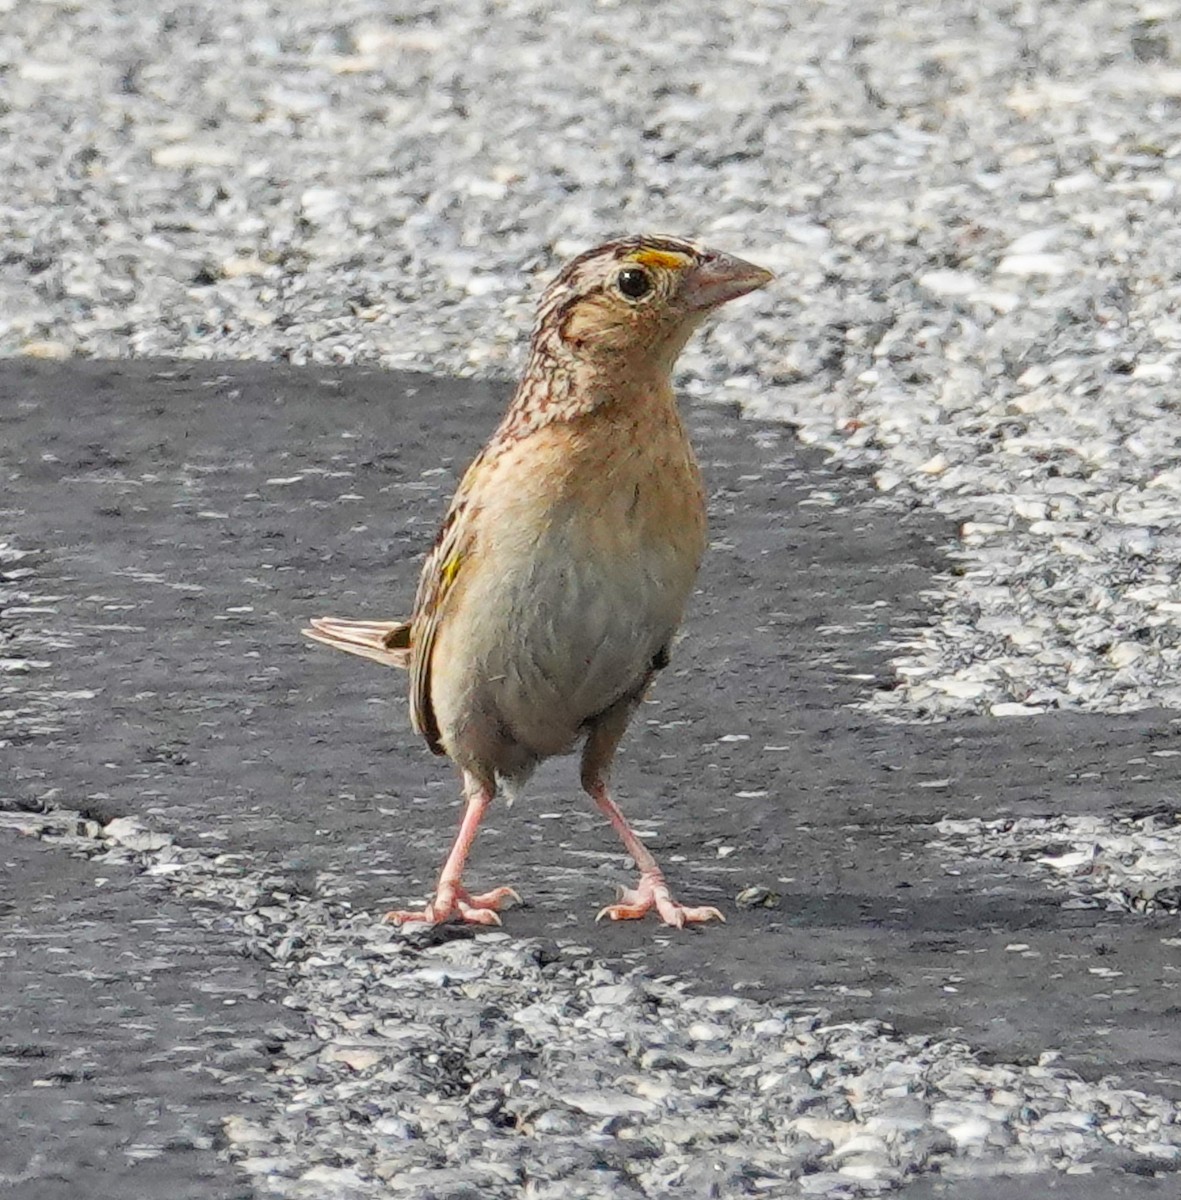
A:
447,1064
1128,864
971,207
483,1065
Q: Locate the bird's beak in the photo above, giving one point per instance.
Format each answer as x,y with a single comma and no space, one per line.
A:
720,278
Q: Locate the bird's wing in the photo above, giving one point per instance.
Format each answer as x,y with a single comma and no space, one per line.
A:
386,642
453,546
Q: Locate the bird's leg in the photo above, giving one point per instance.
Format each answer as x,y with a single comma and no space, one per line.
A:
451,899
652,892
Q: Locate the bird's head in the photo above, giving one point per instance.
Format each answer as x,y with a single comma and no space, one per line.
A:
640,298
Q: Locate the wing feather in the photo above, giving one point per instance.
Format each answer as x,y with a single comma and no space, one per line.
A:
452,549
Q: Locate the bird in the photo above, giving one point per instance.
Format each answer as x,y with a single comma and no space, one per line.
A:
559,577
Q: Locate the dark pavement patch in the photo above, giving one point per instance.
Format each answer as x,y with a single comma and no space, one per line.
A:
127,1032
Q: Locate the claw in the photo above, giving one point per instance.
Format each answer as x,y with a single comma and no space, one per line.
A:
653,893
453,902
496,899
477,916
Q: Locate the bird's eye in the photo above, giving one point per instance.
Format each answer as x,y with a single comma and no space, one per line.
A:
634,282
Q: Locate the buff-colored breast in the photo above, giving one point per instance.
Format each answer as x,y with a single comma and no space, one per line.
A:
587,544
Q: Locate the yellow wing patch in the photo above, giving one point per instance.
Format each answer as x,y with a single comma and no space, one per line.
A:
433,589
449,570
668,260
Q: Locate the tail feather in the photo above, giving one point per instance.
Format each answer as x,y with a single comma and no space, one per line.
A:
386,642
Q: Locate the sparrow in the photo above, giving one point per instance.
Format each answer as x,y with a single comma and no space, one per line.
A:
560,575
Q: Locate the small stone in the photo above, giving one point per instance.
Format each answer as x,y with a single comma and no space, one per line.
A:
607,1103
859,1144
706,1031
1123,654
358,1058
614,994
757,896
949,283
194,154
127,831
242,266
1027,265
47,349
240,1131
935,465
336,1178
869,1167
823,1183
321,203
556,1121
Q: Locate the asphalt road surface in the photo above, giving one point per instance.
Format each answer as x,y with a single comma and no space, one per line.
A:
185,518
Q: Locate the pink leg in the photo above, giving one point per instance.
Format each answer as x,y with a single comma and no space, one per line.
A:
452,899
653,891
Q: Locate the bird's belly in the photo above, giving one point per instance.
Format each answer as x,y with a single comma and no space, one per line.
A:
576,585
568,635
585,637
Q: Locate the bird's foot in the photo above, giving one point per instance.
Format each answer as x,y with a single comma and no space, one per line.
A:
653,893
455,903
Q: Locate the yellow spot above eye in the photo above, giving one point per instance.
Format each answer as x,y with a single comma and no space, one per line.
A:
449,570
669,260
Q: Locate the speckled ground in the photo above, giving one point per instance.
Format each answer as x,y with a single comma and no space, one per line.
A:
184,519
972,212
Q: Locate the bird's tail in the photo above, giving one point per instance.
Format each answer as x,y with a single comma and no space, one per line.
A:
386,642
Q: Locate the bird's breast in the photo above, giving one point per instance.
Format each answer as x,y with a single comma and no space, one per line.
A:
589,546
